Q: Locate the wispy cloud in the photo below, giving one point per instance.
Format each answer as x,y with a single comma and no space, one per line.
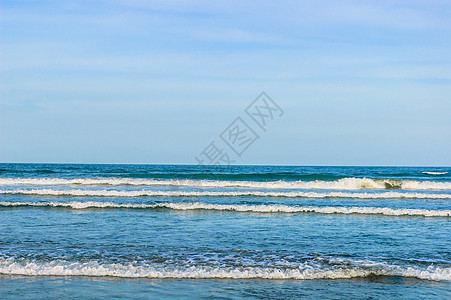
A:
328,60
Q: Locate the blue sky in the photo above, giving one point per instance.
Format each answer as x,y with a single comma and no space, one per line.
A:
360,82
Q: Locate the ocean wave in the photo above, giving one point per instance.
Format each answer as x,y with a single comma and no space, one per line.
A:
144,193
435,173
239,208
305,271
341,184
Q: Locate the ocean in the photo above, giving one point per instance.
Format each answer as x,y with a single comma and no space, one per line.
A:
228,232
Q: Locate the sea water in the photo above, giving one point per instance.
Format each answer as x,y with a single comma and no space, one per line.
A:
174,231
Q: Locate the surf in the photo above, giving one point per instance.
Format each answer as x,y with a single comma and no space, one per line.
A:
151,193
435,173
281,209
341,184
302,271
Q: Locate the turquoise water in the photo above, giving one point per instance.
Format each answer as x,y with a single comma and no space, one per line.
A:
243,231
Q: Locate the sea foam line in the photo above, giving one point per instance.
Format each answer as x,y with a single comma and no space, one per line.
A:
143,193
435,173
239,208
341,184
305,271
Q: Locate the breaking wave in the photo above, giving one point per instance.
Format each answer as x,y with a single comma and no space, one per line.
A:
304,271
342,184
435,173
144,193
238,208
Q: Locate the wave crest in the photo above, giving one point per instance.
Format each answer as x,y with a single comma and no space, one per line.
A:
305,271
341,184
115,193
240,208
435,173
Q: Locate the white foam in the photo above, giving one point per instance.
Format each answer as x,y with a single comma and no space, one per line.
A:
144,193
342,184
241,208
435,173
305,271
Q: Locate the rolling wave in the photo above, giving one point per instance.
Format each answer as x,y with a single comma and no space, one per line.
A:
143,193
341,184
304,271
435,173
239,208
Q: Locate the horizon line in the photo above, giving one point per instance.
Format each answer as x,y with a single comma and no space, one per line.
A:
232,165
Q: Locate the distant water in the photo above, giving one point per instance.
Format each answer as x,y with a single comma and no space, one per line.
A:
209,231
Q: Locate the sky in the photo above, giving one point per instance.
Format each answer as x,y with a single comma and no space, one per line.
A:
359,82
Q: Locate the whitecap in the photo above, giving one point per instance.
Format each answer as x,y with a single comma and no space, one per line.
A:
284,209
341,184
304,271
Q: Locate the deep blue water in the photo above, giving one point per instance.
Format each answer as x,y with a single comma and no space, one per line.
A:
169,231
